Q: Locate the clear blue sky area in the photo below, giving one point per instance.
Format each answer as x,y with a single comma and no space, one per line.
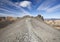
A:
47,8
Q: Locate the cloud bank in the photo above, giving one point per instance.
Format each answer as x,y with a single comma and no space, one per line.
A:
25,3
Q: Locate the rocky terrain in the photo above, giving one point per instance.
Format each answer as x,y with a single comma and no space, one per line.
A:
29,29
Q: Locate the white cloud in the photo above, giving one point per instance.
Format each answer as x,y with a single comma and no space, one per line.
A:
4,15
46,4
14,14
6,10
25,4
55,8
24,12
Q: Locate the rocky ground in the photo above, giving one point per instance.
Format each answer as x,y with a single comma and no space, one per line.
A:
29,30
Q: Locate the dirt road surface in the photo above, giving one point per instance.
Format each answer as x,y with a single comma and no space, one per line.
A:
29,30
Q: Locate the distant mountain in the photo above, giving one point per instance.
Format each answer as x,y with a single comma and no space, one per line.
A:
53,19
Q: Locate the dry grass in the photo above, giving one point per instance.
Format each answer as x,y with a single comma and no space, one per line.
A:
54,23
4,24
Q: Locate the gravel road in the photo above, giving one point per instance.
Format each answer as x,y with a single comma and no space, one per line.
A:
29,30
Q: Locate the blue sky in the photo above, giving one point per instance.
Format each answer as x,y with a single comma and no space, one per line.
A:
47,8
